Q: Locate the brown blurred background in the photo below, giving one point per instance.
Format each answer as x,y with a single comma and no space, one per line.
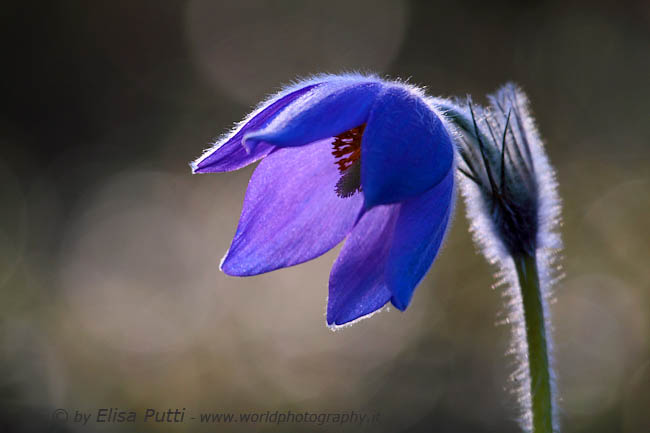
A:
109,247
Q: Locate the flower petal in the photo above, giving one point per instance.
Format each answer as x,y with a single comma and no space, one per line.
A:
405,148
388,252
419,231
228,153
291,212
357,286
328,110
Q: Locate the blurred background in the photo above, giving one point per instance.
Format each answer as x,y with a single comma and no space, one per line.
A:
109,247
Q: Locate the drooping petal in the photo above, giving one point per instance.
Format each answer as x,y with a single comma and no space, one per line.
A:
228,153
291,212
357,282
405,148
328,110
419,231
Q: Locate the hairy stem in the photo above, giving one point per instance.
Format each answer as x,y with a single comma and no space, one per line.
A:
538,359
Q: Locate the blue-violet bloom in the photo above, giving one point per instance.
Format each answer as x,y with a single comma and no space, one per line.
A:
344,157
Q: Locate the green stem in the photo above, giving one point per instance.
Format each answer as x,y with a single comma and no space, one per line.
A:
538,363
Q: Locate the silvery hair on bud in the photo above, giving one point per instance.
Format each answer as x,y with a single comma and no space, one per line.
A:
510,192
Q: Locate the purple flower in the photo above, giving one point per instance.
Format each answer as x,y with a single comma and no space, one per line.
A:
347,157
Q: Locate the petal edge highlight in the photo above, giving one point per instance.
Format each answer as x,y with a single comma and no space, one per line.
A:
327,111
228,153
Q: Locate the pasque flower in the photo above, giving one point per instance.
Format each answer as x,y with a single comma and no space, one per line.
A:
344,157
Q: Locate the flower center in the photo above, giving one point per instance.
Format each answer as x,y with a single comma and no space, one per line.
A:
347,147
347,151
